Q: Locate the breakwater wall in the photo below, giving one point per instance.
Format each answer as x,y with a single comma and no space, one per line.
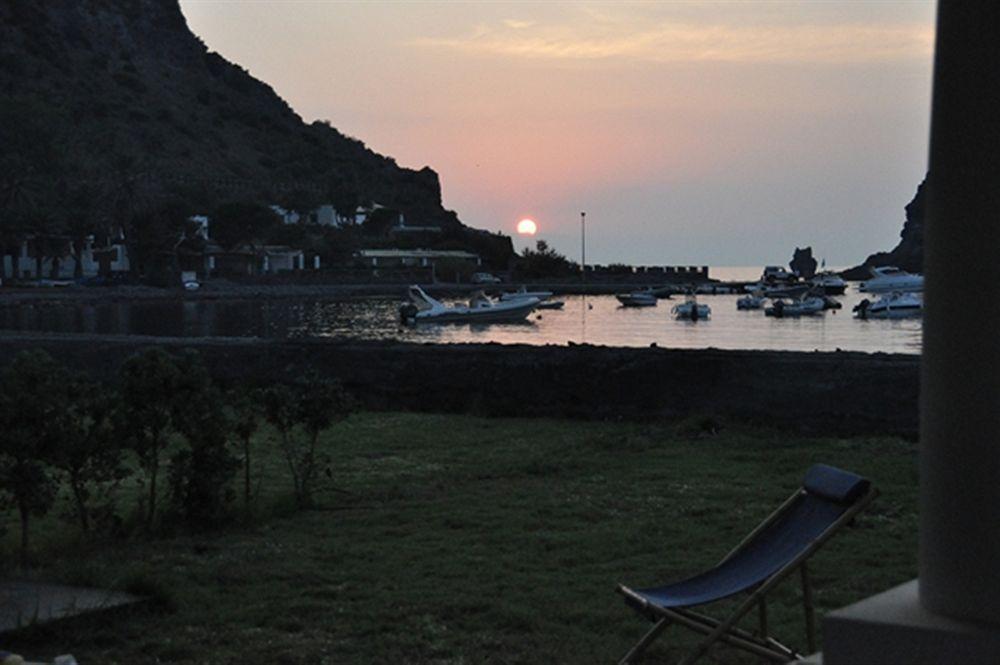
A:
842,393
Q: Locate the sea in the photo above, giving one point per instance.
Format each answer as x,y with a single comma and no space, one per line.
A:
598,320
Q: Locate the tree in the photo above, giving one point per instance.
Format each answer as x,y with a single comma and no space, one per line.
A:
88,454
544,261
245,405
300,413
200,473
85,215
145,415
239,222
33,403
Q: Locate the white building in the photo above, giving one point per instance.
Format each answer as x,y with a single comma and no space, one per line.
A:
25,266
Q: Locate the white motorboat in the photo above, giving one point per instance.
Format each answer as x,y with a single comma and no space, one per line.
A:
830,282
751,301
422,308
637,299
889,279
890,306
804,306
690,309
523,292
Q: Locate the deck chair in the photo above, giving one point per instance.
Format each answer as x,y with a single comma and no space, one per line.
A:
827,501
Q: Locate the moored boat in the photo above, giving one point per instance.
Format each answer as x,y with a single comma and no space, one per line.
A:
830,282
523,292
890,279
691,309
890,306
422,308
637,299
751,301
804,306
550,304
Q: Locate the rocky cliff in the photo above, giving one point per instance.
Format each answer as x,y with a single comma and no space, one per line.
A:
909,253
124,84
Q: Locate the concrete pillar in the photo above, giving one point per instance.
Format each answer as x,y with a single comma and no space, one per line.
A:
960,390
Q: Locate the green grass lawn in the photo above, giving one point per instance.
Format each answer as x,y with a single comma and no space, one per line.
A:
474,540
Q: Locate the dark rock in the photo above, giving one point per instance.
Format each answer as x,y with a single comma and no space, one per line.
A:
803,264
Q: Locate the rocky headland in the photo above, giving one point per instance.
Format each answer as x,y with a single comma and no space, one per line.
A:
909,253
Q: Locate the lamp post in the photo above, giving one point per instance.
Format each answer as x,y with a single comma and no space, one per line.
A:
583,247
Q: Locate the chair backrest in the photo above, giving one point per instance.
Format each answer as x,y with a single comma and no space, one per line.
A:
835,484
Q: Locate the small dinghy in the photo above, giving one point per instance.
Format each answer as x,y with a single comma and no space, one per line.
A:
637,299
523,292
691,310
751,301
802,307
422,308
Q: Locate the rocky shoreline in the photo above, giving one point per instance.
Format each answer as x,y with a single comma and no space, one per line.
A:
841,393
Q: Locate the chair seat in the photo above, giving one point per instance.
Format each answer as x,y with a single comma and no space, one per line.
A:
761,558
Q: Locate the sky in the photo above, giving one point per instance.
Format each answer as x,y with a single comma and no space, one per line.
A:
716,133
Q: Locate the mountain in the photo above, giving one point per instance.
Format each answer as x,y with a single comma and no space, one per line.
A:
124,85
909,253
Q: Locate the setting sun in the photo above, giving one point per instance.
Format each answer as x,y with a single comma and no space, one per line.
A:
527,227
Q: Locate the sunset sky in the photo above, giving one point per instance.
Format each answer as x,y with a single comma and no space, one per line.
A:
691,133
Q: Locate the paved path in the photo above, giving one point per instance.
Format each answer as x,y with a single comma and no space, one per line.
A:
25,603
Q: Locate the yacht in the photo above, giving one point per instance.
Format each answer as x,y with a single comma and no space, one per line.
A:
422,308
889,279
891,306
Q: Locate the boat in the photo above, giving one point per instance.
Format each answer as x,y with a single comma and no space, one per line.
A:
422,308
550,304
690,309
805,306
829,302
774,274
751,301
663,292
523,292
889,279
637,299
890,306
830,282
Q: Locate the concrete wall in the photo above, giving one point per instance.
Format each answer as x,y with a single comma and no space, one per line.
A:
817,393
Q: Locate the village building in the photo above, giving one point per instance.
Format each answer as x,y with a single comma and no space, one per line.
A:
94,260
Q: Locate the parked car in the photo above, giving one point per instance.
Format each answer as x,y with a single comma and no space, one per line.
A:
484,278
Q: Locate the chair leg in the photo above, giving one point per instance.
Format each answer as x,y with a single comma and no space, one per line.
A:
719,630
762,615
807,606
646,640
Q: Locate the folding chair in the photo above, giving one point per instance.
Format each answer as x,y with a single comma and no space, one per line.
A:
827,501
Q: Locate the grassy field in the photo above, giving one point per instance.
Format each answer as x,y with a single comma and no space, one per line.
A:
471,540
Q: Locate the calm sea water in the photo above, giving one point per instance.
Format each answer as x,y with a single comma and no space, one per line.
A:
584,319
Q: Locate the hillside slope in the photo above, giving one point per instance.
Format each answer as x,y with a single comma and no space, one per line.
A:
126,82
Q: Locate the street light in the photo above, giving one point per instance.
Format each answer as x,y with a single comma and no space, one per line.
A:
583,246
